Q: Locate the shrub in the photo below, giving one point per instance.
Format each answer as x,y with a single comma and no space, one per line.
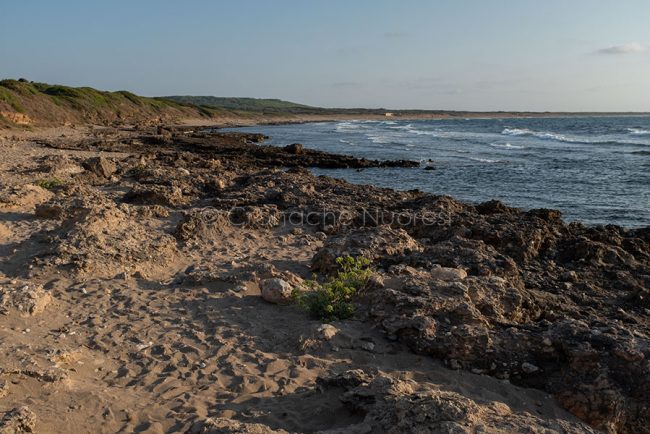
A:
49,184
332,300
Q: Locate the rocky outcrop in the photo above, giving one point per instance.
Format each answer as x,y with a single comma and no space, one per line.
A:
402,406
18,421
100,166
23,297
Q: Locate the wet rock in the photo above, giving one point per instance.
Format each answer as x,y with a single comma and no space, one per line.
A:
295,148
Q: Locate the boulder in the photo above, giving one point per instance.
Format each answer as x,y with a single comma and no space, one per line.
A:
276,291
294,148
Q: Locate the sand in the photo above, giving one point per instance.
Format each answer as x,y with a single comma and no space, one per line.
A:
141,343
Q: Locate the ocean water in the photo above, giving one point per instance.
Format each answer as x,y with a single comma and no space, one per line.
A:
593,169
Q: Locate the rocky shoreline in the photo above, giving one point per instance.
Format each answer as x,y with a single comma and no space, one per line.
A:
147,249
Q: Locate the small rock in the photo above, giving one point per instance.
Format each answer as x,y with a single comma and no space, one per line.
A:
368,346
294,148
529,368
276,291
448,274
327,331
100,166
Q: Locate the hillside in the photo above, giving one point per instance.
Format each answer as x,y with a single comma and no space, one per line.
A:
39,104
26,104
256,105
275,106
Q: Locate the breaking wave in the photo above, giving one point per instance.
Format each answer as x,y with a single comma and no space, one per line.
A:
507,146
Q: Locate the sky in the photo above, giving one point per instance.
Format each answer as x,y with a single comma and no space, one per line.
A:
551,55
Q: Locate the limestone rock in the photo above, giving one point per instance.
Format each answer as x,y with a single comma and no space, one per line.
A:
18,421
100,166
276,291
448,274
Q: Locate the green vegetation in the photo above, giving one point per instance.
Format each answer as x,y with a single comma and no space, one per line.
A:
50,183
54,104
9,98
332,300
255,105
80,97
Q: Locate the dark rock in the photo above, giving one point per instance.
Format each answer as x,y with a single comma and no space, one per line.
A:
295,148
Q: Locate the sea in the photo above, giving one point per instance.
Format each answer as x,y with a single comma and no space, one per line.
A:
593,169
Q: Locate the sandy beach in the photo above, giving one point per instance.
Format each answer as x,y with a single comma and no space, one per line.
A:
130,293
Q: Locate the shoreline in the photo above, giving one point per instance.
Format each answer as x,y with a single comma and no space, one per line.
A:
148,264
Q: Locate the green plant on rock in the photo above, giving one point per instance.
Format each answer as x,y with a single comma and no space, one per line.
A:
333,299
50,183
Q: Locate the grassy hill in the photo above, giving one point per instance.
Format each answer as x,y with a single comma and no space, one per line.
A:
25,103
270,106
39,104
255,105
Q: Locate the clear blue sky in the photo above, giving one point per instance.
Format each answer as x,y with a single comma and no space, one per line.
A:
446,54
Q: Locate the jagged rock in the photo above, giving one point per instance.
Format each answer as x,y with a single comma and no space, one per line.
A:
376,244
395,406
448,274
18,421
100,166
